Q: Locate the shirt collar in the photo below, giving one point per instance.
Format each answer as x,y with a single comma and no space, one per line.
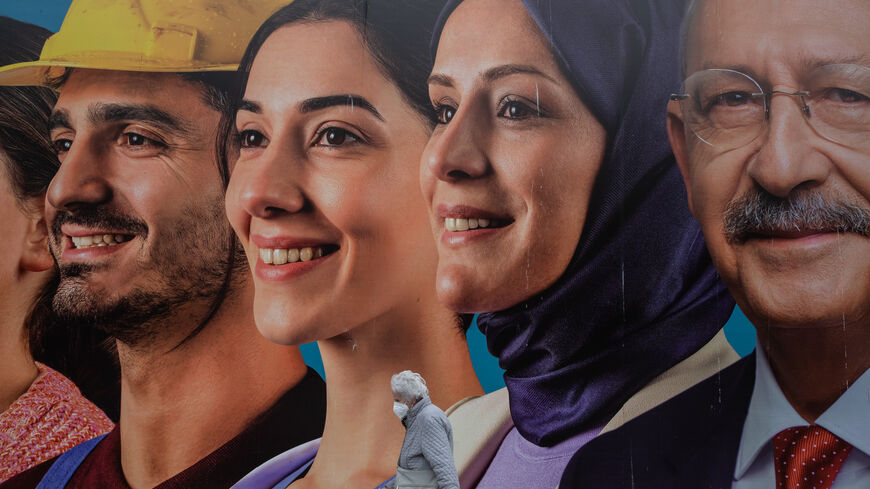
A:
849,416
770,412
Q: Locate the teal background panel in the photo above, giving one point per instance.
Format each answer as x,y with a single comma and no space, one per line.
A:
740,333
46,13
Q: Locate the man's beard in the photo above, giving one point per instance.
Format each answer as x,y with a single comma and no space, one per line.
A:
189,265
759,213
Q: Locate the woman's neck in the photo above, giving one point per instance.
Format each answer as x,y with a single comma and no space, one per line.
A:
362,437
17,369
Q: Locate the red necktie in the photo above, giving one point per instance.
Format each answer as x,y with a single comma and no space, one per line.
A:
808,457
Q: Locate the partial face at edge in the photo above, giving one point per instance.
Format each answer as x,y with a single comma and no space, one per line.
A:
15,226
782,278
515,153
329,163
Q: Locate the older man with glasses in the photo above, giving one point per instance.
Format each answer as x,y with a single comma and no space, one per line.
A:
772,136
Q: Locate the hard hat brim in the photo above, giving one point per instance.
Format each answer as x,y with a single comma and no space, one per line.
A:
43,72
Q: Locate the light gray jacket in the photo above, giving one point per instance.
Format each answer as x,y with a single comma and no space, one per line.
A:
428,444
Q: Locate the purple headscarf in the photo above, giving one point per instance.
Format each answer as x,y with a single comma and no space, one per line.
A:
641,293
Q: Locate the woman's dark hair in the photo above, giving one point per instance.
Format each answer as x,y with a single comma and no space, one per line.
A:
80,352
30,161
395,32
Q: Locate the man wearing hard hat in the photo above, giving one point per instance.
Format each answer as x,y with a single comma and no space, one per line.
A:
138,231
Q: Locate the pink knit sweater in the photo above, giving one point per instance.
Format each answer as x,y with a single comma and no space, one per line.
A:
48,419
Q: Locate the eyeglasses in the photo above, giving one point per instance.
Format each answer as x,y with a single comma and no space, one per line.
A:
728,109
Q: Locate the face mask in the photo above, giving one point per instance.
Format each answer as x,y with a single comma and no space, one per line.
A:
400,409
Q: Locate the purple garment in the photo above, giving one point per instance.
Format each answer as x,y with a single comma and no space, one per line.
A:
285,468
521,463
277,468
641,293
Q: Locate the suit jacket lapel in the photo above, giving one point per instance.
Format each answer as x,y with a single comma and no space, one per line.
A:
704,452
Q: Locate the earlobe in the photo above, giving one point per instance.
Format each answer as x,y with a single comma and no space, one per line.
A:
677,137
36,257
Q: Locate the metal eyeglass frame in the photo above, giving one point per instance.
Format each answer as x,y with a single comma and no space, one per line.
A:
767,98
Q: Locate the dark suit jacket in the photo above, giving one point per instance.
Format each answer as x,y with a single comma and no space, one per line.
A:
689,442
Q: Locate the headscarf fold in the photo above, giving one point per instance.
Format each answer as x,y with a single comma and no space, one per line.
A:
640,293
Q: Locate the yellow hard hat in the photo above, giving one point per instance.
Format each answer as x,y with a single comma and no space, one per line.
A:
147,35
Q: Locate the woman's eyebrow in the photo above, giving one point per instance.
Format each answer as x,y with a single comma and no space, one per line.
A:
348,100
439,79
502,71
492,74
250,106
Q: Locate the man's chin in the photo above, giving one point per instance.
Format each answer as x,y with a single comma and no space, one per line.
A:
77,302
132,318
799,309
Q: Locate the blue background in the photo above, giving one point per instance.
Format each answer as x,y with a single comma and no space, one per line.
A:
50,13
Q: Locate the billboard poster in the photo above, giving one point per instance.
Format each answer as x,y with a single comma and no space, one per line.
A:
434,243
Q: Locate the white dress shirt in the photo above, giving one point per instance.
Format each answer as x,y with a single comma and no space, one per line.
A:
770,412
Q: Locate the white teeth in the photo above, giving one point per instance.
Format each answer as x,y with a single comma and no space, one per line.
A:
97,240
458,224
305,254
281,256
266,256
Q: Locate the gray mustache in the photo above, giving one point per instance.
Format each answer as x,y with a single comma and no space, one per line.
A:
762,213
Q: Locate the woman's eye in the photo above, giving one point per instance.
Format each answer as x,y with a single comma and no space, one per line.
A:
513,109
252,139
444,113
335,136
62,145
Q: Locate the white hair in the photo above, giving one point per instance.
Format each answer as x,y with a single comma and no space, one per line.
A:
409,386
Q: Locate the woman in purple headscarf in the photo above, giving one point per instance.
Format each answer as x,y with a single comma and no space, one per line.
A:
556,202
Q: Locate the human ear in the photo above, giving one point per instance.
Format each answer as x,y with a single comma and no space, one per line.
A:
36,257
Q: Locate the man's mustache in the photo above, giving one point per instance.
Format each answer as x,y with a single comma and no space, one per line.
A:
98,217
760,213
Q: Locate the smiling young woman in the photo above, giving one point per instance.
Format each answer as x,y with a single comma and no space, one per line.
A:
332,119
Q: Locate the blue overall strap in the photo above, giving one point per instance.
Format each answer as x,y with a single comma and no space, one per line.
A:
62,470
384,484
